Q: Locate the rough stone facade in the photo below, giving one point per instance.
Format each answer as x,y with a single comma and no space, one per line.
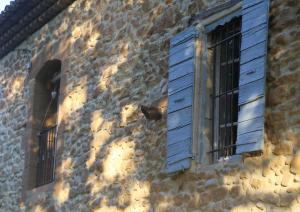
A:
114,58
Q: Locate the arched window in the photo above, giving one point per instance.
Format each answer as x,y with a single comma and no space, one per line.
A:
44,124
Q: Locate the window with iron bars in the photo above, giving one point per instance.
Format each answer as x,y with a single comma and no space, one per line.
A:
225,42
46,158
47,136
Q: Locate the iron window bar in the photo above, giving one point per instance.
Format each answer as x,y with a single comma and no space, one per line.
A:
46,158
231,61
230,146
224,40
229,92
228,125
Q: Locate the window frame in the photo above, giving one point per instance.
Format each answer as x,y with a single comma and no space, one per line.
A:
202,91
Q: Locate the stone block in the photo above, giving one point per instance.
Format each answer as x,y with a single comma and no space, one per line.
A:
295,164
293,189
286,199
256,183
261,206
205,198
211,183
219,193
181,199
235,191
287,179
297,178
271,198
283,148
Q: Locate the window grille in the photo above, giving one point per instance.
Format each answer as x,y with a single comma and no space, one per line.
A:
226,42
46,159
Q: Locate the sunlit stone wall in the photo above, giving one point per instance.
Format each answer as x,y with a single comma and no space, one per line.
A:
115,58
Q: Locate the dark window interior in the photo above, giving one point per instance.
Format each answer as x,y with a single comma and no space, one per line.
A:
225,44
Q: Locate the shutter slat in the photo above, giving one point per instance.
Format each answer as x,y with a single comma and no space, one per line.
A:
252,110
180,83
190,32
251,125
180,118
255,16
254,36
250,3
178,154
180,100
176,147
252,24
250,142
181,47
181,69
179,134
256,10
184,164
253,52
184,153
252,76
251,91
252,71
181,56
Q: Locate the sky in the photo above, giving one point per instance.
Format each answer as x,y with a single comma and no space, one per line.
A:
3,3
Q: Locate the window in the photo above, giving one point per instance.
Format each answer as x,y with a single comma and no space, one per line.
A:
42,125
225,42
216,90
47,133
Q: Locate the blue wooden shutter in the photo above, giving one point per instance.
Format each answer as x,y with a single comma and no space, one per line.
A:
180,100
252,76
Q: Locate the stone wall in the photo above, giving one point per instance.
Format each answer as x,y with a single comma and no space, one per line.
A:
114,58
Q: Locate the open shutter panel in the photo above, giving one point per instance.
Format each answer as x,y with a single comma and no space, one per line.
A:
180,100
252,76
